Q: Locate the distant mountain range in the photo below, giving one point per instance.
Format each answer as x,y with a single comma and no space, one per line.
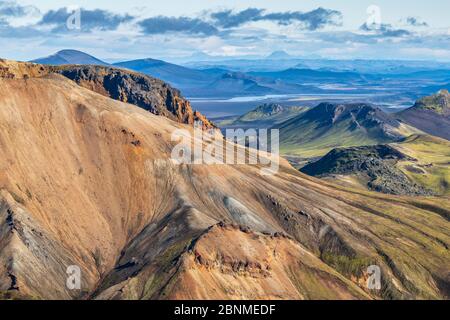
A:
213,82
307,75
176,75
313,62
308,132
280,74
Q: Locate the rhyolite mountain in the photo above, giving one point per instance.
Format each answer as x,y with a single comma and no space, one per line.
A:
70,57
331,125
430,114
88,180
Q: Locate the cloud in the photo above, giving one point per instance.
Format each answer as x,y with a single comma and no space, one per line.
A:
162,24
12,9
11,17
230,19
89,19
8,31
384,30
227,32
312,20
416,22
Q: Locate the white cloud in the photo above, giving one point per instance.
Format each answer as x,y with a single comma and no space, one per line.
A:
255,31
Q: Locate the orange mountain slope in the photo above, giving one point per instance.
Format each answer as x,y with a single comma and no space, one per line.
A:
87,180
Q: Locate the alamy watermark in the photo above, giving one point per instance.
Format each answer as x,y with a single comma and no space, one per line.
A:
238,146
73,22
73,281
374,279
373,20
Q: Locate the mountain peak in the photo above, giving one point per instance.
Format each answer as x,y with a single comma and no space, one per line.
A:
70,56
335,112
270,108
280,54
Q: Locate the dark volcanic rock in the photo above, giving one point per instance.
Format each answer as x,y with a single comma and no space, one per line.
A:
376,162
146,92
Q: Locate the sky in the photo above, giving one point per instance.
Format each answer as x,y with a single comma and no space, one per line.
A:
174,29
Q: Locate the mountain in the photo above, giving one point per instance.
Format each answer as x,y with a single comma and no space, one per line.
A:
279,55
264,116
232,84
176,75
89,182
70,57
430,114
327,126
263,111
366,66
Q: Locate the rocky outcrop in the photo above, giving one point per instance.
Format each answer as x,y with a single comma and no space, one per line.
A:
256,266
141,90
377,162
21,70
439,102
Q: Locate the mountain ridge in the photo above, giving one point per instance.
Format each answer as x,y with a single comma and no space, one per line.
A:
330,125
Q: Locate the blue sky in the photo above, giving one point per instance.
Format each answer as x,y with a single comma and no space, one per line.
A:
115,30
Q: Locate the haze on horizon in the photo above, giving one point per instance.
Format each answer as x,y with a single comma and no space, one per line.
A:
174,29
